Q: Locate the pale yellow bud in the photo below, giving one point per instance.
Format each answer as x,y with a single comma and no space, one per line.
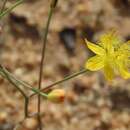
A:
56,95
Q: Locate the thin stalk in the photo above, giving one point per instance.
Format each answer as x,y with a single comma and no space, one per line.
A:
20,82
15,82
35,90
52,7
41,64
61,81
20,90
23,83
26,98
12,82
65,79
3,6
11,8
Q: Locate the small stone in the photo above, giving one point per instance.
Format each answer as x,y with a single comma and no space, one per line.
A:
68,37
3,117
30,123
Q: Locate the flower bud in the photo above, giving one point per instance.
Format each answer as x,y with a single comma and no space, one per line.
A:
56,95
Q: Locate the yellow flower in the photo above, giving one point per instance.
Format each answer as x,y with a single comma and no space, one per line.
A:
111,55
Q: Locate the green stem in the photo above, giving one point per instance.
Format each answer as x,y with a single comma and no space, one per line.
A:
41,64
20,82
26,107
52,7
11,8
26,85
3,6
53,3
12,82
35,90
15,82
26,98
61,81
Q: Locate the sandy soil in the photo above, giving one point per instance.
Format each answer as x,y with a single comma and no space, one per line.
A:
92,103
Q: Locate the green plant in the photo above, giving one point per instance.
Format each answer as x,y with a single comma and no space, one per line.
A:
17,83
110,55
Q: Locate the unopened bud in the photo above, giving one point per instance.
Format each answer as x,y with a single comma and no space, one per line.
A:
56,95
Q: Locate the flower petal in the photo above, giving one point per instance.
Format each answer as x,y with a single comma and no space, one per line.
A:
95,48
110,41
109,72
95,63
124,71
125,47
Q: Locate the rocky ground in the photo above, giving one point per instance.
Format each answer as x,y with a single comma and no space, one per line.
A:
92,103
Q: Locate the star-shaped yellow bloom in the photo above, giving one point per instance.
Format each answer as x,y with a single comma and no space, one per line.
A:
111,55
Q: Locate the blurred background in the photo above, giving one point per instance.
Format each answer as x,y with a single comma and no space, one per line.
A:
92,103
